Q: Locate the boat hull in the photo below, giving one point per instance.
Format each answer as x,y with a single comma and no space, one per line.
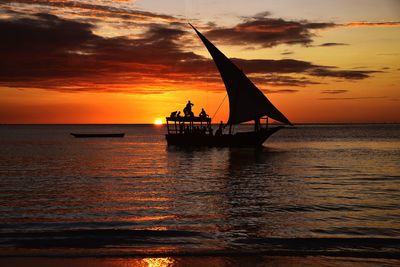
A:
245,139
97,135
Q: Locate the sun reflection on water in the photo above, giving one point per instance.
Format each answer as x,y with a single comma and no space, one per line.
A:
159,262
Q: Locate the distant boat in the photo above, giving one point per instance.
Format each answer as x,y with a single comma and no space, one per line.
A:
246,103
94,135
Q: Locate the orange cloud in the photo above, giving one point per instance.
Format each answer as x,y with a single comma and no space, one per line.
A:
372,24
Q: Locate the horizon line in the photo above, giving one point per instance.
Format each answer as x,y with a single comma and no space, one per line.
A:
272,123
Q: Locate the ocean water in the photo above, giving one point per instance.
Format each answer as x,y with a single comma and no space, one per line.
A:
331,190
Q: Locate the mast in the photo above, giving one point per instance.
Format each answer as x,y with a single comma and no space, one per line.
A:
246,101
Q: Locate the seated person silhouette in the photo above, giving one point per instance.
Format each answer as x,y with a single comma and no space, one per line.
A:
203,114
173,114
178,114
188,110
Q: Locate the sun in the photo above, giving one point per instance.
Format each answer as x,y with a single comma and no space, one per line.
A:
158,122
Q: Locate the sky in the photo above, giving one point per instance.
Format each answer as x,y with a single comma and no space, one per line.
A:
125,61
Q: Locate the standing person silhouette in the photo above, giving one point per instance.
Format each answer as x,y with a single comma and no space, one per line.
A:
188,109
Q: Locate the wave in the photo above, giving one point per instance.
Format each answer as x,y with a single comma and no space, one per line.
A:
186,243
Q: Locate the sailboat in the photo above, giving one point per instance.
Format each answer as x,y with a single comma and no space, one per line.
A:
246,103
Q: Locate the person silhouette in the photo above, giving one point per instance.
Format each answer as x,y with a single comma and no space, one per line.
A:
188,109
218,132
203,114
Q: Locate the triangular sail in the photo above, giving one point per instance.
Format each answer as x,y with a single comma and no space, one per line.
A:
246,101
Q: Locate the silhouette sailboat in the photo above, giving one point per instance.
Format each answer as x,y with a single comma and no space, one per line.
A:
246,103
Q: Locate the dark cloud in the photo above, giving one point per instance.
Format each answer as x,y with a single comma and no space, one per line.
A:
260,15
270,65
254,67
281,91
101,9
334,91
285,53
49,52
282,80
299,66
44,32
345,74
42,49
332,44
267,32
353,98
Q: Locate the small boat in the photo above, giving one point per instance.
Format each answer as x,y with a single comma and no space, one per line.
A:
94,135
246,103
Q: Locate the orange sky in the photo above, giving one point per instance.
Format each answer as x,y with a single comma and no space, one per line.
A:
136,61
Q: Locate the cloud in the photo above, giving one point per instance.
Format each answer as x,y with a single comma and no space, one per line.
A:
334,92
49,52
105,7
371,24
267,32
345,74
44,50
281,91
254,67
299,66
286,53
332,44
353,98
111,18
271,65
281,80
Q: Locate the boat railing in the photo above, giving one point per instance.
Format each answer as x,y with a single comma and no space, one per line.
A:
188,125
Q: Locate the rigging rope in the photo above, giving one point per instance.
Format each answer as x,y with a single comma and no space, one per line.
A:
219,106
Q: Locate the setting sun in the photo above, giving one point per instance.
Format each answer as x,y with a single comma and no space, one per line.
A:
158,122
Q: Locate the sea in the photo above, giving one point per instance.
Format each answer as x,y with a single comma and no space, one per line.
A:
310,191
